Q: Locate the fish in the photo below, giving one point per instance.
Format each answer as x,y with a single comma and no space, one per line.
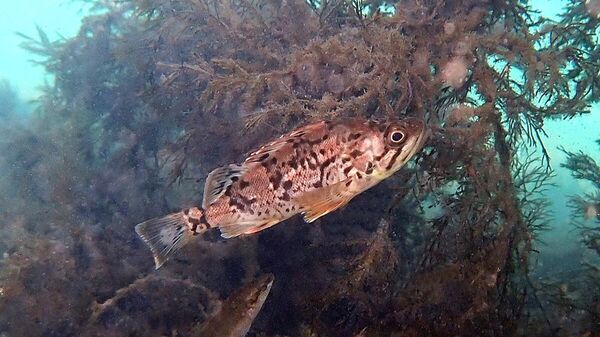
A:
238,311
312,170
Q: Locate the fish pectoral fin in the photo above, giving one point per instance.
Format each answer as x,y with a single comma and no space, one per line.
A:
219,180
237,229
317,203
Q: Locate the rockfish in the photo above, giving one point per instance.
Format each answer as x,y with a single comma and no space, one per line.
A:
312,170
238,311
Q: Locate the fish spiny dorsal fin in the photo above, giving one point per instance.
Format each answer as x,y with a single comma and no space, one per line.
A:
280,143
219,180
265,151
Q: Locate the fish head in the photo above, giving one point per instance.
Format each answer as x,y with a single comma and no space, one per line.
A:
398,142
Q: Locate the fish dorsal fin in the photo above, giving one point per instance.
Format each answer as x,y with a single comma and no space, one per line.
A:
265,151
280,143
219,180
315,204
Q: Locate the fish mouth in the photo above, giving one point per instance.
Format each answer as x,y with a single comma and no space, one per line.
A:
421,138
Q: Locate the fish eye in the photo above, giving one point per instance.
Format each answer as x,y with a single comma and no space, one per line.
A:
396,136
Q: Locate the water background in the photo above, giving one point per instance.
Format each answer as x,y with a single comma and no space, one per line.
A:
63,18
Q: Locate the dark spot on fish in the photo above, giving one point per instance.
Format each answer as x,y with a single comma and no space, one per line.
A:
293,163
326,163
233,202
195,223
287,209
276,179
263,157
325,137
259,213
285,196
244,184
186,211
314,156
234,178
355,136
348,183
318,184
293,208
369,170
204,221
247,201
287,185
322,151
345,159
347,170
228,192
358,175
273,161
355,153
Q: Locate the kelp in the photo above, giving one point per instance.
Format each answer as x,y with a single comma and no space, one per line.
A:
151,95
573,298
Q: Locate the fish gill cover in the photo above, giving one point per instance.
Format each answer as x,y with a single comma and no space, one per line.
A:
151,95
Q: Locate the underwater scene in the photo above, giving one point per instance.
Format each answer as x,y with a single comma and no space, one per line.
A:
299,168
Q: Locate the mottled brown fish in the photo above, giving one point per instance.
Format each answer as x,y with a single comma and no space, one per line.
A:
312,170
238,311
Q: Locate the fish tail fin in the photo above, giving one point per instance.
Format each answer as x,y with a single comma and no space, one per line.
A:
166,235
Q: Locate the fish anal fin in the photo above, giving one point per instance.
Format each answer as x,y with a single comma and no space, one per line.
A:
237,229
262,226
316,204
219,180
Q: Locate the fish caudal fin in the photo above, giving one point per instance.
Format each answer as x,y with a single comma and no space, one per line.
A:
166,235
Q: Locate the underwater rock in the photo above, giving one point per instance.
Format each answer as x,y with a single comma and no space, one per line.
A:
154,305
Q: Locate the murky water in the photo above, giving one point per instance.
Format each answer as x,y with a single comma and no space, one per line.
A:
115,112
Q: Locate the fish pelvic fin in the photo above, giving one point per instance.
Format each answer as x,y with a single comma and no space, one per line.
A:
166,235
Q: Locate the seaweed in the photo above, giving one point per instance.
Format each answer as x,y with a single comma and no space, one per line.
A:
573,297
144,101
